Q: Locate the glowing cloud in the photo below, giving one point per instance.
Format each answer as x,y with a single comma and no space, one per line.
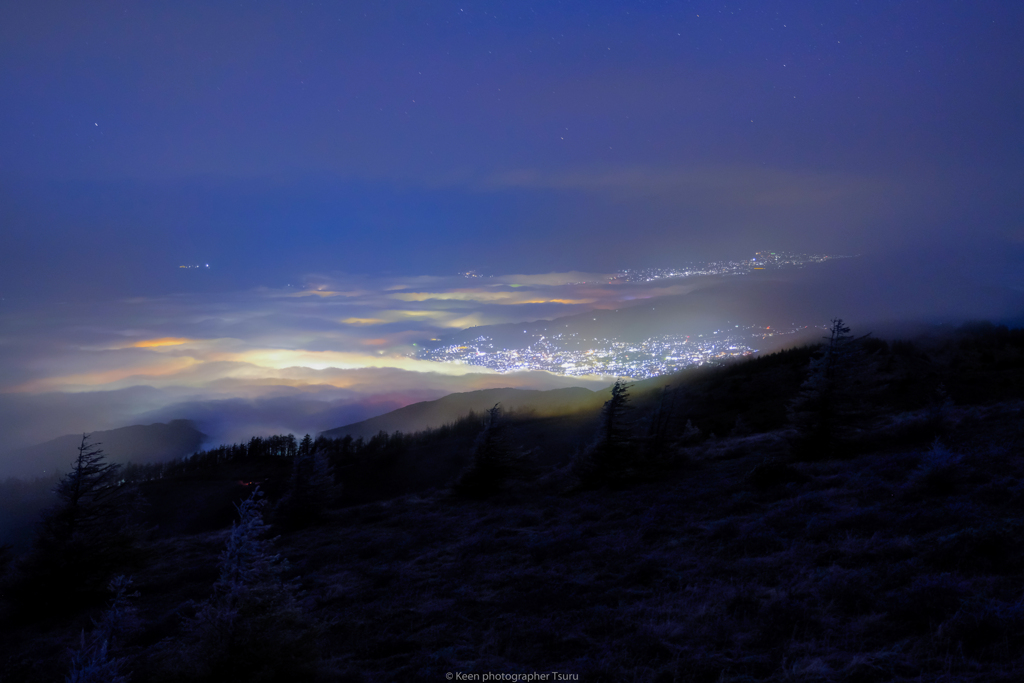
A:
342,360
322,293
364,321
91,380
488,297
163,341
345,334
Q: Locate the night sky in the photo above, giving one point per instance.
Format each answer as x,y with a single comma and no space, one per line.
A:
286,143
277,139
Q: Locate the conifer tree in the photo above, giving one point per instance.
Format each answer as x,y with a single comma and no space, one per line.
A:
252,627
825,397
310,489
91,662
83,539
494,460
837,352
246,559
94,661
614,430
657,444
90,497
612,455
305,446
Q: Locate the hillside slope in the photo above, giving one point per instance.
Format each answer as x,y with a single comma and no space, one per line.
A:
138,444
427,414
749,548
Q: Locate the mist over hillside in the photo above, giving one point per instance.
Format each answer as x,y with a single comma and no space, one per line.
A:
860,486
139,444
871,290
424,415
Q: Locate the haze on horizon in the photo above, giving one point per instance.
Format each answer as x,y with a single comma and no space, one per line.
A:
328,160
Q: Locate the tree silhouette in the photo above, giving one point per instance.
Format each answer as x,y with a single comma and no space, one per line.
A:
90,497
613,431
825,395
839,340
494,460
310,490
305,446
659,427
612,455
90,533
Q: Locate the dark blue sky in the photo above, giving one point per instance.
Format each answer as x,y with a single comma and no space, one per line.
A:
273,140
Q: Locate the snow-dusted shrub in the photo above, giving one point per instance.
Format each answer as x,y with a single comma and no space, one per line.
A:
252,627
92,661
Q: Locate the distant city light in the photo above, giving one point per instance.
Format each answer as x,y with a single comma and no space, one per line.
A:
566,354
570,354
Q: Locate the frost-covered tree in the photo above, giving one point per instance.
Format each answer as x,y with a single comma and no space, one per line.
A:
247,558
252,627
94,661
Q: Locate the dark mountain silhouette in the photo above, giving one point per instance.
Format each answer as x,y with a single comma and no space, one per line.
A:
427,414
139,444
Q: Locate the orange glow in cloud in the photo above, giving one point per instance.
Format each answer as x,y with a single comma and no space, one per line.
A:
441,318
567,302
424,309
343,360
163,341
323,293
490,297
92,380
398,315
456,296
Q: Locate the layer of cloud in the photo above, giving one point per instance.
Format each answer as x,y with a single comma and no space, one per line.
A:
267,360
262,360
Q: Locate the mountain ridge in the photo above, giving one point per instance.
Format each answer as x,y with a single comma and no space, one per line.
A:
140,444
423,415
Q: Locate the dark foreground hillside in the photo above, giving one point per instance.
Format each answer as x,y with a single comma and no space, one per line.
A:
887,549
